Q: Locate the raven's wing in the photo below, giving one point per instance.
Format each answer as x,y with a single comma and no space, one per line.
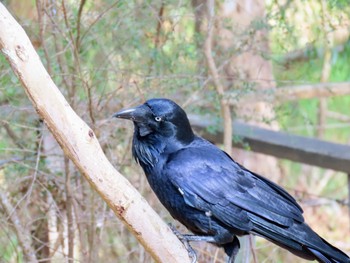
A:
211,181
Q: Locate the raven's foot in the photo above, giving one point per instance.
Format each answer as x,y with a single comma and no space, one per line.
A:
232,258
232,249
186,243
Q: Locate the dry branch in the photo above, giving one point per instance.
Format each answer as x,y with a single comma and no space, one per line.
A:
80,144
290,93
305,53
22,233
338,116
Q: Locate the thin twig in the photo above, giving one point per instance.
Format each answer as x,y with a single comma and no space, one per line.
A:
75,51
157,37
12,134
37,162
61,59
40,8
36,170
98,18
81,229
55,232
80,11
159,25
92,228
11,160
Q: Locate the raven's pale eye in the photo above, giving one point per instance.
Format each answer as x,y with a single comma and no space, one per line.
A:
158,118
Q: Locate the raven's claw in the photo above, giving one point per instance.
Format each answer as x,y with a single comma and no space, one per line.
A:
184,240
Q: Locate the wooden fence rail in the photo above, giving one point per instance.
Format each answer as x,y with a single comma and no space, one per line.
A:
282,145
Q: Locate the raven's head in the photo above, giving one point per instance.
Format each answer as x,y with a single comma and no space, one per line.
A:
162,118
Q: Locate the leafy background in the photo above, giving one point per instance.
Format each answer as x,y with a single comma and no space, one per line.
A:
114,54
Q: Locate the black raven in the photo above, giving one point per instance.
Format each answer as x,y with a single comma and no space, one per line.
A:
212,195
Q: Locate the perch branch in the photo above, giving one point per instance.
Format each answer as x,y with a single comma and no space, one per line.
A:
80,144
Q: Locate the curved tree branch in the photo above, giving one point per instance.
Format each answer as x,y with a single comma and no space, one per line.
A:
225,107
80,144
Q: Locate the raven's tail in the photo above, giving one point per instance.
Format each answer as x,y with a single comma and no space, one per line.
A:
327,256
301,240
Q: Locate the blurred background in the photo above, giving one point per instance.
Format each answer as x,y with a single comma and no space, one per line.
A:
248,56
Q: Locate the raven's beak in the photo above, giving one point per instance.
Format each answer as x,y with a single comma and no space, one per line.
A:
137,114
125,114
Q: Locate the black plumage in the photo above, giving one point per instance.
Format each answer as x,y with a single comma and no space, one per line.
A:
212,195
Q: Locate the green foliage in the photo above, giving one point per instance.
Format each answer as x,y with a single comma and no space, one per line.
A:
9,248
304,112
340,64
